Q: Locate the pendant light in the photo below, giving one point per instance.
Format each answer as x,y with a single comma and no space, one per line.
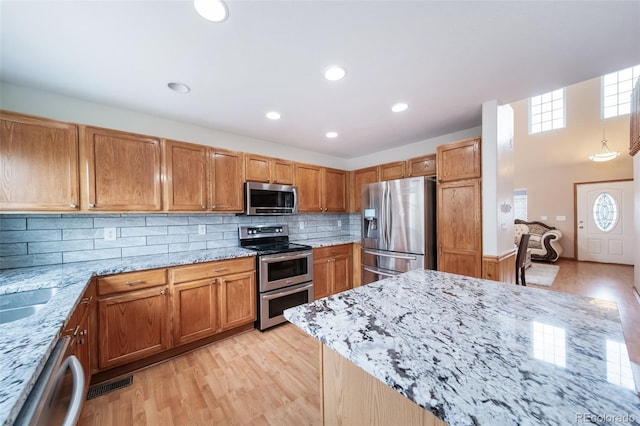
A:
605,154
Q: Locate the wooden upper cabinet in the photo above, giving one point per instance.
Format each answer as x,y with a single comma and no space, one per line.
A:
321,189
422,166
334,187
38,163
226,181
122,171
459,160
309,181
358,178
268,170
185,168
390,171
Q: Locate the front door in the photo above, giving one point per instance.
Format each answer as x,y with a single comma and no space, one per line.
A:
604,220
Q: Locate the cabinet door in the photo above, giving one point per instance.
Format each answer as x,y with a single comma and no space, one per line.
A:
361,177
123,171
422,166
226,181
343,273
308,181
237,300
185,168
459,160
322,277
460,228
282,171
335,190
132,326
39,163
392,171
257,168
195,310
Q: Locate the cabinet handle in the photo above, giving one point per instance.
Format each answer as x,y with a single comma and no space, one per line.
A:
136,282
440,251
91,205
203,207
86,300
223,281
439,179
80,342
213,281
75,330
220,269
162,292
73,206
213,207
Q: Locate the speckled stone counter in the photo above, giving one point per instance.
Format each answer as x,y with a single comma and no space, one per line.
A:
26,344
477,352
329,241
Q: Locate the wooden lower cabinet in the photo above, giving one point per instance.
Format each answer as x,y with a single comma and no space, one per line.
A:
78,328
132,326
237,300
195,310
332,270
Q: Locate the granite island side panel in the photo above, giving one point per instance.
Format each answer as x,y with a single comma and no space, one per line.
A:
473,351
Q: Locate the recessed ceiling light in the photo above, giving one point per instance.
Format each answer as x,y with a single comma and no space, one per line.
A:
211,10
273,115
335,73
179,87
332,135
399,107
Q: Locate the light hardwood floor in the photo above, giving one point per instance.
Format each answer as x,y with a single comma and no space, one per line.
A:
272,378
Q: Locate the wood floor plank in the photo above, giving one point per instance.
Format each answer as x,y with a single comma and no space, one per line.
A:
271,378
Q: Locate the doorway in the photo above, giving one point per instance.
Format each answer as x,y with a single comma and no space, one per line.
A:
604,222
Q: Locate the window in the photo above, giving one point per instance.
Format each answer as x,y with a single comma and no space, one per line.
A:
546,112
605,212
616,91
520,204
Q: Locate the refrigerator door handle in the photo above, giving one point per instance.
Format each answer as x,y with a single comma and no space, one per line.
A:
394,256
373,271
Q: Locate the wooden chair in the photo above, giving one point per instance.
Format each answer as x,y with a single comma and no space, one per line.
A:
521,257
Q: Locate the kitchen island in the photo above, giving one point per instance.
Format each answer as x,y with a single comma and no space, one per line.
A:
469,351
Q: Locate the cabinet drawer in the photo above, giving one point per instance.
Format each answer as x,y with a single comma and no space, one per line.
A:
341,250
200,271
131,281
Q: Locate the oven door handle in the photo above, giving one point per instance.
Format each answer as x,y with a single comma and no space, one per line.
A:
287,292
268,259
377,272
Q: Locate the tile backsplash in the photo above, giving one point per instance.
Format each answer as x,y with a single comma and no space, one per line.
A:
35,240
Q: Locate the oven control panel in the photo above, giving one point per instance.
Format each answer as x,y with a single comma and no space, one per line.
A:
263,231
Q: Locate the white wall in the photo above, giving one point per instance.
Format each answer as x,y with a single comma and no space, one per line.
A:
497,179
64,108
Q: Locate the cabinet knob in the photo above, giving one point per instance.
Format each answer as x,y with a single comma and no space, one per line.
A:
162,292
213,207
91,205
86,300
203,207
214,281
73,206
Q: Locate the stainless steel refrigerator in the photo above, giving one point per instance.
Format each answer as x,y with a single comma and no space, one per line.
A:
398,227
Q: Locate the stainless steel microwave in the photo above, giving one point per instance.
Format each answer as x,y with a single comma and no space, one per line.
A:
267,199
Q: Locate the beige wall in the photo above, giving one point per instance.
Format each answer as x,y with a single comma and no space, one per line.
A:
548,164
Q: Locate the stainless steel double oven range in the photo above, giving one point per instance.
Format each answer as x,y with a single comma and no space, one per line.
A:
284,271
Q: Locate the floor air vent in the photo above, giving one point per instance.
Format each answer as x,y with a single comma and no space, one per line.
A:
99,390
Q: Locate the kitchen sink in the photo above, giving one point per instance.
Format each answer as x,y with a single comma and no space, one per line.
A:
15,306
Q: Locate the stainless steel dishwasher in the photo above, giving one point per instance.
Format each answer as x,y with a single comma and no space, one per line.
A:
58,394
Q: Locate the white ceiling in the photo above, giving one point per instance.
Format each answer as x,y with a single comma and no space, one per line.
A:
443,58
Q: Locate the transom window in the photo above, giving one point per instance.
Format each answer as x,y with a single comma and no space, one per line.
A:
546,112
605,212
616,91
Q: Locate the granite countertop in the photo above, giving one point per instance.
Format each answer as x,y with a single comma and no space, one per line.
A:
26,344
477,352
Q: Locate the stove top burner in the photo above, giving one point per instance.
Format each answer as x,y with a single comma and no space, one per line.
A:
268,239
273,248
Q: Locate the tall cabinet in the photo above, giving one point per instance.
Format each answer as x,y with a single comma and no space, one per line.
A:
459,207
